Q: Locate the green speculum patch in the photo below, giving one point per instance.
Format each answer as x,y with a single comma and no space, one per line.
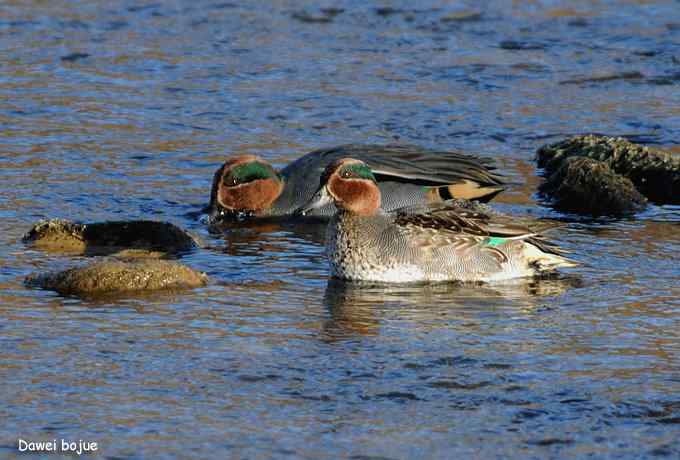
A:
495,241
361,171
249,172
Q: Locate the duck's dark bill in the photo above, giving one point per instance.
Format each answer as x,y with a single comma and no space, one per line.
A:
320,199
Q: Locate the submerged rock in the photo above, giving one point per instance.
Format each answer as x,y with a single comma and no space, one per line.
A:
115,276
324,15
585,185
134,238
633,75
655,173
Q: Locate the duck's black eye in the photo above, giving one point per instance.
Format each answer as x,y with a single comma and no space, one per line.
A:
357,171
230,181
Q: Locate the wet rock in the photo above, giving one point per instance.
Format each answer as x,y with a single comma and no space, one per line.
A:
387,11
463,16
520,45
578,22
530,67
74,57
134,238
325,15
57,235
632,75
115,276
654,172
584,185
667,79
646,53
140,8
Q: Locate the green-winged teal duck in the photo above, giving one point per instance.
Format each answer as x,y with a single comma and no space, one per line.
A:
247,185
434,242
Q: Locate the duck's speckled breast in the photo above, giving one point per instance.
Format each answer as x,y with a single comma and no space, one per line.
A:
369,248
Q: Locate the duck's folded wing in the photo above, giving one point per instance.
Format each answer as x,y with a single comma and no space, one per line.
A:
410,163
452,174
468,227
460,245
413,163
472,219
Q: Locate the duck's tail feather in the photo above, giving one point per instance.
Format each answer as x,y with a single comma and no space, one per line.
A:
545,256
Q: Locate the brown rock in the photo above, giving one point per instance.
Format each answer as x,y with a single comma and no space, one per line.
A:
654,172
138,237
587,186
114,276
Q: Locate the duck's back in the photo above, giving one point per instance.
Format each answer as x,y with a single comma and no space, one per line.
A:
404,174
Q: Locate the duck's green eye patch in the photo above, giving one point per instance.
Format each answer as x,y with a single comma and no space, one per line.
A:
357,171
248,172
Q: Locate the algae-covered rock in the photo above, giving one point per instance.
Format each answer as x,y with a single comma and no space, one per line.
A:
115,276
654,172
56,234
136,237
584,185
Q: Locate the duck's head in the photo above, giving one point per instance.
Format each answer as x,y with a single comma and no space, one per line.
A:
244,185
350,185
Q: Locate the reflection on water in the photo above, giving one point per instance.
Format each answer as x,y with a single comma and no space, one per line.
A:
356,308
123,110
266,236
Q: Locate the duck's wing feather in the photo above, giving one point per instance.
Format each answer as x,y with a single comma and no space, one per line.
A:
464,225
443,230
452,173
407,163
473,220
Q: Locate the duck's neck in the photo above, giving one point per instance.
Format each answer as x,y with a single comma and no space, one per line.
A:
280,202
360,210
355,222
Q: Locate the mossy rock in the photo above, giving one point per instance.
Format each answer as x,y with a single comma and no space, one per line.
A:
654,172
134,238
115,277
584,185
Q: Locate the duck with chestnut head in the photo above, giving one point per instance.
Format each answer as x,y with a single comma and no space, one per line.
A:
248,186
452,240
